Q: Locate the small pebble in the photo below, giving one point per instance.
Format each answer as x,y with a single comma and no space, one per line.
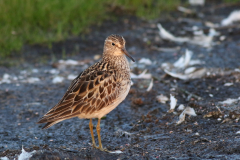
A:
97,57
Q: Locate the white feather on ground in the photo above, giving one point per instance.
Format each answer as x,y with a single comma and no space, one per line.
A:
143,75
189,111
173,103
233,17
198,39
150,86
182,68
229,101
25,155
162,99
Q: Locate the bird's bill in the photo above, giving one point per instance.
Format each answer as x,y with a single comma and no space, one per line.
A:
127,54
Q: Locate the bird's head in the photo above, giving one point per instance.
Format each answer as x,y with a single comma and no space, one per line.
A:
115,45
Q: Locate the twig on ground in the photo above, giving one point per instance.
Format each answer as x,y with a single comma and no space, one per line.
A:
191,94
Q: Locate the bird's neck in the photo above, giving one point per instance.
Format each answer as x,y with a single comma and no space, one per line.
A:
118,62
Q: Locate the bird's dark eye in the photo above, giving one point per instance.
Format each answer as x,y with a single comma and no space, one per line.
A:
113,44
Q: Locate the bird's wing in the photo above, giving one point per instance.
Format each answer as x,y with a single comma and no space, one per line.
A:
88,93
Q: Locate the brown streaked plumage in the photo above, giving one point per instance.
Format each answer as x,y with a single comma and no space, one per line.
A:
97,90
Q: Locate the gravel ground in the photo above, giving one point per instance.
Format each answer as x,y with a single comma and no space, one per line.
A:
141,127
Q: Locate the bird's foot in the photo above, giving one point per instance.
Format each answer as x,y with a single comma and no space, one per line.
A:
104,149
94,145
101,148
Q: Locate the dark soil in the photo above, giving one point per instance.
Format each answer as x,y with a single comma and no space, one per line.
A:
140,126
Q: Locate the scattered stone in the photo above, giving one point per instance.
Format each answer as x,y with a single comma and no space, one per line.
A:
57,79
162,99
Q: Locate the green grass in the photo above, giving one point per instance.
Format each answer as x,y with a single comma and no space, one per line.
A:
231,1
46,21
148,8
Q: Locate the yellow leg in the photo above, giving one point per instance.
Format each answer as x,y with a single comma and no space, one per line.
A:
91,129
99,137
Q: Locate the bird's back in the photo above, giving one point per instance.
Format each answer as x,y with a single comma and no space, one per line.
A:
94,93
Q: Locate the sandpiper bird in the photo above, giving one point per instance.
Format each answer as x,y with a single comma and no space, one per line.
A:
97,90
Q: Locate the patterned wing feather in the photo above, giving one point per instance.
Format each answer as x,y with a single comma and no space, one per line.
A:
88,93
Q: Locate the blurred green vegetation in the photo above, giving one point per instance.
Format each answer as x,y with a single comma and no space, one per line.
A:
44,22
231,1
